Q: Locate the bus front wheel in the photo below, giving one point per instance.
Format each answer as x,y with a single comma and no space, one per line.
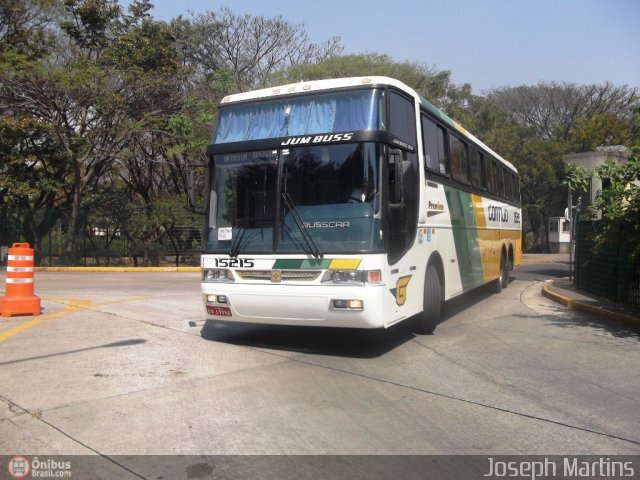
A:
432,301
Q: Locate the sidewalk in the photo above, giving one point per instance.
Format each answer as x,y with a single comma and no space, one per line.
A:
531,258
562,290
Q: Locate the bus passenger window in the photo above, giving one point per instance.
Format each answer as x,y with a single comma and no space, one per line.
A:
497,173
402,118
492,180
433,143
430,144
505,183
476,161
459,159
511,194
443,159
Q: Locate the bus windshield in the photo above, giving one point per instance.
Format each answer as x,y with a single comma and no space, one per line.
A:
309,114
334,190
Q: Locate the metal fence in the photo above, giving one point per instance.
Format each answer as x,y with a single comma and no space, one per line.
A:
611,272
103,241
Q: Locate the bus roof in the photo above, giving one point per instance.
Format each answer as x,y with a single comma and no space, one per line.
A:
335,83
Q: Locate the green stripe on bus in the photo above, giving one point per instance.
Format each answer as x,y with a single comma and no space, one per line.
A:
465,237
300,263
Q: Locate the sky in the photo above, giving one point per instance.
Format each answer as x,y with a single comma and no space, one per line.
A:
487,43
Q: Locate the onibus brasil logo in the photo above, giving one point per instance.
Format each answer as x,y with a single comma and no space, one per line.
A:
21,467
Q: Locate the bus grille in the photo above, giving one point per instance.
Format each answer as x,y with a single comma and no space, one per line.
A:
287,275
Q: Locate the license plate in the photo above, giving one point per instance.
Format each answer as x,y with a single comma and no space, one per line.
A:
219,311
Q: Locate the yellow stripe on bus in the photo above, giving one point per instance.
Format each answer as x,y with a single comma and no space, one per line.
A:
489,240
344,263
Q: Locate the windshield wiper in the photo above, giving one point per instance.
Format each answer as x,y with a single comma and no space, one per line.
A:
315,251
235,246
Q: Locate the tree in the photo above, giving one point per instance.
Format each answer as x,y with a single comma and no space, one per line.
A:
77,100
251,47
553,109
110,78
32,158
600,130
619,203
545,121
31,179
154,160
25,27
429,82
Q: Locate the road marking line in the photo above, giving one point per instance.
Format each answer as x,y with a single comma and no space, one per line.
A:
123,300
71,306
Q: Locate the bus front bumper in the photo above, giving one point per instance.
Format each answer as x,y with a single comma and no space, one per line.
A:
319,305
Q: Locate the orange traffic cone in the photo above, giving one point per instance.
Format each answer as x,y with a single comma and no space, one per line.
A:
19,298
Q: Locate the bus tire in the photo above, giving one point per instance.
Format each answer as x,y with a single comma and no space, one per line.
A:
432,301
503,279
507,270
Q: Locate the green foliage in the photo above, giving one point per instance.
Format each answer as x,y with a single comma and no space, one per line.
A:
600,130
90,22
576,178
619,203
435,85
533,126
25,29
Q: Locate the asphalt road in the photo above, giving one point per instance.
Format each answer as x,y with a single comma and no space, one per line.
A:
112,367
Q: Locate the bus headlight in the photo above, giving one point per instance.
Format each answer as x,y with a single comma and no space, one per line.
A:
217,275
352,277
344,276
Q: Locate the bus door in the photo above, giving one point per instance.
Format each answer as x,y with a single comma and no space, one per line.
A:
402,211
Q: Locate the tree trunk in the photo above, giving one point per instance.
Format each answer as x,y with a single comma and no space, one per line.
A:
70,247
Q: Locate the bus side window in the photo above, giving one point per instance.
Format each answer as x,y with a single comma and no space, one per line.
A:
492,169
498,179
505,183
443,157
459,159
511,194
476,162
434,146
402,118
430,145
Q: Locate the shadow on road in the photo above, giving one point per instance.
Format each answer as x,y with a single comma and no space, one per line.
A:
573,319
540,273
123,343
339,342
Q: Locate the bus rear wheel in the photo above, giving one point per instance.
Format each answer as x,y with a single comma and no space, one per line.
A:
503,280
432,302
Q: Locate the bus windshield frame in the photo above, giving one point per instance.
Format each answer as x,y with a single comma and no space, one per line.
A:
334,190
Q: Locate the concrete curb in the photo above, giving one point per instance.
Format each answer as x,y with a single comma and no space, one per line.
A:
585,307
117,269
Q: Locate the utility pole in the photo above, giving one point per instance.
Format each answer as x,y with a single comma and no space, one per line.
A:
573,271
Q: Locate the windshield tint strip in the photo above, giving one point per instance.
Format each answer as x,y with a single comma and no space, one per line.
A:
310,114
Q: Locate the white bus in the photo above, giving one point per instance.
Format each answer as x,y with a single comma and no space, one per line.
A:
350,202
